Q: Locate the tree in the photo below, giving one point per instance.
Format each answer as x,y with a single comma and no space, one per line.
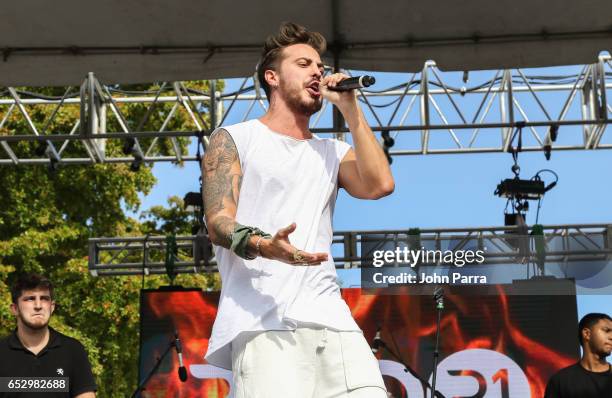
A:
47,217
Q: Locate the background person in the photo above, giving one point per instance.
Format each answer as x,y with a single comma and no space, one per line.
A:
36,350
591,377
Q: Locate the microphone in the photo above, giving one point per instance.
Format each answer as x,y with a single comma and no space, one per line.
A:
352,83
377,342
182,371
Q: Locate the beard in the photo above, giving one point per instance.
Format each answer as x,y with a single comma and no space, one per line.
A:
34,326
294,100
599,350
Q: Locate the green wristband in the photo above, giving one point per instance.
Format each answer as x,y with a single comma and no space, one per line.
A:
240,239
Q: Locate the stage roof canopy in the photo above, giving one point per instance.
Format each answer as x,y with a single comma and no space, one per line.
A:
57,42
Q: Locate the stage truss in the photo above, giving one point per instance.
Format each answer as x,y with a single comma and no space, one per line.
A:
504,245
429,113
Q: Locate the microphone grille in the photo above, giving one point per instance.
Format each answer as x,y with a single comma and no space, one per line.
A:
182,373
368,81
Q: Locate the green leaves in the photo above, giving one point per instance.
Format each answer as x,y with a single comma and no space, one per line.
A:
173,219
45,222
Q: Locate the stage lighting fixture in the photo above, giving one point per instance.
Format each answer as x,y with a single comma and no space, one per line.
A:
554,132
521,189
53,165
137,162
128,146
202,248
193,201
519,192
517,189
135,165
53,158
533,189
514,219
388,142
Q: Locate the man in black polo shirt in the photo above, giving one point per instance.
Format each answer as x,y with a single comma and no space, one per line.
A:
34,350
591,377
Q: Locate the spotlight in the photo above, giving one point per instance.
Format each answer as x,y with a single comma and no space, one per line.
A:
135,165
202,248
547,150
53,165
128,146
519,192
193,201
520,189
553,131
388,142
53,158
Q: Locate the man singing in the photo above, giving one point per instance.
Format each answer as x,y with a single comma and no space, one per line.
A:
591,377
270,186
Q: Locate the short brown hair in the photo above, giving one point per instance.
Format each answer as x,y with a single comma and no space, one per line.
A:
288,34
30,282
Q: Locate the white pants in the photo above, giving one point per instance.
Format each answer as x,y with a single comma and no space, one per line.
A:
305,363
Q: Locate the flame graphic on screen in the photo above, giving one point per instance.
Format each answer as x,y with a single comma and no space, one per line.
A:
192,314
408,325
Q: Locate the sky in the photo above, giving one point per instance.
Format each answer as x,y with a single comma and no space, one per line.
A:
450,191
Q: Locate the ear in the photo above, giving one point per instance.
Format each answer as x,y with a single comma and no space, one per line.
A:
14,309
52,307
586,334
271,78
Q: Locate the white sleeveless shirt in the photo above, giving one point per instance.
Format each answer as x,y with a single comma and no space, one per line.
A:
284,180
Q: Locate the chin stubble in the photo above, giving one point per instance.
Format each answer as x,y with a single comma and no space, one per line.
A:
34,326
295,102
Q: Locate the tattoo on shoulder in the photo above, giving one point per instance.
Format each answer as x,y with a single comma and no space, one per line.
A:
221,151
221,172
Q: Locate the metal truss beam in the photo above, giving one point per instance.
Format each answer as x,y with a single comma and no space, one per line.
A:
502,245
425,114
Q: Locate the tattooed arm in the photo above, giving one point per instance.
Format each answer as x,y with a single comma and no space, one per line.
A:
222,178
